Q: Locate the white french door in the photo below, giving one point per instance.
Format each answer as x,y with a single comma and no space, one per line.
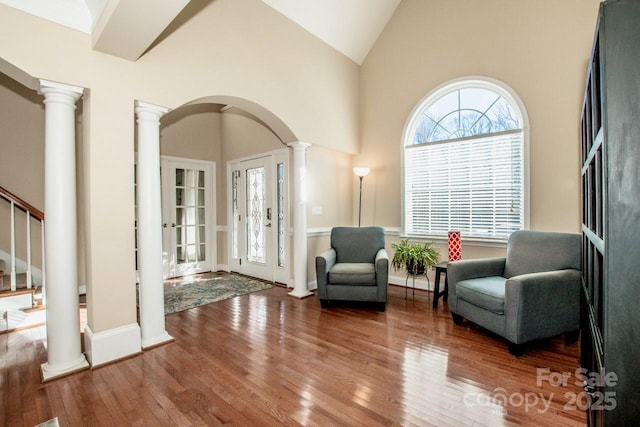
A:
188,216
259,237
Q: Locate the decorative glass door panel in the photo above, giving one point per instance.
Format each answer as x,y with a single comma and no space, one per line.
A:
281,227
255,179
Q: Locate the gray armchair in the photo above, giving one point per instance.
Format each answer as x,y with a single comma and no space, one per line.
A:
356,268
533,293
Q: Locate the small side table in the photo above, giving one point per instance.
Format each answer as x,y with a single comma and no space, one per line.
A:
440,269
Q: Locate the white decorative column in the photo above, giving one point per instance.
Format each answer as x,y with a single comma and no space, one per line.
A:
300,287
63,323
152,326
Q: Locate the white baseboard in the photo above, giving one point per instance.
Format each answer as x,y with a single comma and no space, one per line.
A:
223,267
113,344
421,282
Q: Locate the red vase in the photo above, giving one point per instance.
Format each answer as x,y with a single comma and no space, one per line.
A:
455,246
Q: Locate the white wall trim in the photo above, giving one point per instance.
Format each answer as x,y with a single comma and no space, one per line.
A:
326,231
318,232
421,282
112,344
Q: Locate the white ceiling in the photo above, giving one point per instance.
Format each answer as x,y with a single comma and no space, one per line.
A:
349,26
77,14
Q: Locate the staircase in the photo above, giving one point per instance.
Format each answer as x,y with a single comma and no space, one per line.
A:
22,308
21,299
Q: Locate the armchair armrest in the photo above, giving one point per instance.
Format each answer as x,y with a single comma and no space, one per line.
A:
540,305
324,262
474,268
382,274
382,260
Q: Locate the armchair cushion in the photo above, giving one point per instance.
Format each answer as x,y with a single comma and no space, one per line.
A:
484,292
353,273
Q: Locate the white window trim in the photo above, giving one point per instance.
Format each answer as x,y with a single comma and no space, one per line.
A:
414,118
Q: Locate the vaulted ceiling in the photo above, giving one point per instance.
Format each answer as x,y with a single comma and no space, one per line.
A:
126,28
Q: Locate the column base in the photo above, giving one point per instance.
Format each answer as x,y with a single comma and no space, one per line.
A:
165,338
300,294
49,373
112,344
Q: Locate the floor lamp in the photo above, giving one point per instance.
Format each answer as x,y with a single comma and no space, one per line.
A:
361,173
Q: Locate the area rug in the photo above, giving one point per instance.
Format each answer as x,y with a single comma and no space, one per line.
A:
198,291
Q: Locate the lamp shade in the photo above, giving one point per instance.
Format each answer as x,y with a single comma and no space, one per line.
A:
455,245
361,172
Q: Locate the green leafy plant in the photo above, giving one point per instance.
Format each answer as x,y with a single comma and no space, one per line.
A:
416,258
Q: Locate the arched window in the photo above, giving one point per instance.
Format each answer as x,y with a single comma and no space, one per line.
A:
464,163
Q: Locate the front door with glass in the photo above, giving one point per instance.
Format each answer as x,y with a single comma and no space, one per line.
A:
259,213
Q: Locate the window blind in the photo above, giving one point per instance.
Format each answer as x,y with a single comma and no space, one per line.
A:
474,185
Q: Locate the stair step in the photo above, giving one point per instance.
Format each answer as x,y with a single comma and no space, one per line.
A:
23,291
21,281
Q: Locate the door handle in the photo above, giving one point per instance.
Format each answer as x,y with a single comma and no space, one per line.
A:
173,225
164,225
268,225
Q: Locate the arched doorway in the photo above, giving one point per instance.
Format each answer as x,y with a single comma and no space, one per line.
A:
246,144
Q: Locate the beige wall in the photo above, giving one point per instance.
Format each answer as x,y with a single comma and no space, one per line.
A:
238,47
192,132
21,164
244,135
22,149
245,49
330,188
538,48
329,181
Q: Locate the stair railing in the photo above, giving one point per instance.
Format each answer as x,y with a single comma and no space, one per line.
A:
31,212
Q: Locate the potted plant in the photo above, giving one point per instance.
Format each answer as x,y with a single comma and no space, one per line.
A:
416,258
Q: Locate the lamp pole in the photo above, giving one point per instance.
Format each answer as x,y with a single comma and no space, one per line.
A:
361,173
360,203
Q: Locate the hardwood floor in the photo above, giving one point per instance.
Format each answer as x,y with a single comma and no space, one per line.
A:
270,359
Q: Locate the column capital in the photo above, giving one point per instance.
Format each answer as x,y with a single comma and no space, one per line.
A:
299,145
59,92
147,111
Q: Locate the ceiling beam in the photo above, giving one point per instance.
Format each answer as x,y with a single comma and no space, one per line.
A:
127,28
